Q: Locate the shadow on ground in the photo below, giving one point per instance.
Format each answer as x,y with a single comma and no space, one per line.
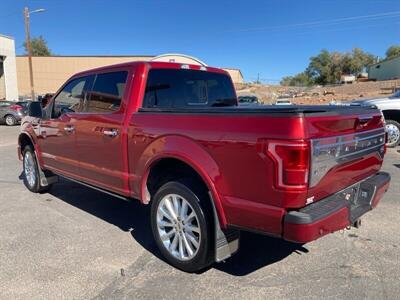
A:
256,251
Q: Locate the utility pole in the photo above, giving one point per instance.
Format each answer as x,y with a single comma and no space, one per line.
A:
28,45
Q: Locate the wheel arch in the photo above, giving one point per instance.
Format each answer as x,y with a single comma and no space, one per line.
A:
25,139
184,154
392,114
9,114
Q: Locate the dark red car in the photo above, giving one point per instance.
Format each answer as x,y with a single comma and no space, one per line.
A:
171,135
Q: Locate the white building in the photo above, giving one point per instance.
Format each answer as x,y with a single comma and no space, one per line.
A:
385,70
8,69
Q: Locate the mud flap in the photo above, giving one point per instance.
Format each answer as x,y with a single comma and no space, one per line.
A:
226,241
45,180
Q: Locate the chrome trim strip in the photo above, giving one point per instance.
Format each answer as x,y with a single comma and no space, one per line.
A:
354,153
324,157
348,142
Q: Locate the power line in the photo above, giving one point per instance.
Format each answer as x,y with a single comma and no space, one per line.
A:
324,22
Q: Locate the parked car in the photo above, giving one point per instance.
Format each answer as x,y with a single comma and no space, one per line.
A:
173,137
12,112
347,78
390,107
248,100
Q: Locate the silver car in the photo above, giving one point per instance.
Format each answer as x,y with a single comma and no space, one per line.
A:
11,112
390,107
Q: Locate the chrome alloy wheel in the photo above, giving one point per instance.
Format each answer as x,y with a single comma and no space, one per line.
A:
393,133
10,120
29,168
178,227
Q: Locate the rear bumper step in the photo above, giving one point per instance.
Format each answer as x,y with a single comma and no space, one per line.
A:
336,211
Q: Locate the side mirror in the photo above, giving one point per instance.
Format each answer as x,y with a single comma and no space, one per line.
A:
35,109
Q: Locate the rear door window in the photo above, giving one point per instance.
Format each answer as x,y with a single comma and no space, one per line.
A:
5,104
107,92
188,88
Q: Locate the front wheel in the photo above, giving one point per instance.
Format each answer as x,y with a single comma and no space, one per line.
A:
393,132
11,120
182,225
31,172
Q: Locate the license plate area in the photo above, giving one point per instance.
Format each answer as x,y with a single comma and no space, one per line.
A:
360,199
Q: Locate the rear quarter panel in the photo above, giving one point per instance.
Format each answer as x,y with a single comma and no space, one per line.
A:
223,148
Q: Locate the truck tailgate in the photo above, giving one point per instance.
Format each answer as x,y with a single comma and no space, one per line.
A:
345,149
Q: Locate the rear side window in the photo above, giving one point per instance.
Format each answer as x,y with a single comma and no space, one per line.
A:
188,88
4,104
107,92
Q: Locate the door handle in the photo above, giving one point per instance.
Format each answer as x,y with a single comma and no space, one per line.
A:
69,129
111,132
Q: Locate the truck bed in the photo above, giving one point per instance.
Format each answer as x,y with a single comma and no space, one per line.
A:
293,110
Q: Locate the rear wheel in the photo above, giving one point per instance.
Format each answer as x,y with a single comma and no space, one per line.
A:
393,132
182,225
10,120
31,172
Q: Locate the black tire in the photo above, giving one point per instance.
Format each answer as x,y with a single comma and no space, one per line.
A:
33,185
394,140
10,120
199,202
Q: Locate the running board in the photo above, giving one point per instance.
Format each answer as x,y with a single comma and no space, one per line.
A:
96,188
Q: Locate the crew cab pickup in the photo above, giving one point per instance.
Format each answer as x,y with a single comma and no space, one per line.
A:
173,136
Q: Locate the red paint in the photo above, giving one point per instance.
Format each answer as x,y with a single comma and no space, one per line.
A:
379,194
303,233
16,107
229,152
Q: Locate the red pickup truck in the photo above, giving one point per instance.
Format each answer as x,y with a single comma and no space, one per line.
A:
173,136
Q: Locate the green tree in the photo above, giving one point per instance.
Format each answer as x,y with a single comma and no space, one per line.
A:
327,67
321,68
360,60
393,51
301,79
346,62
39,47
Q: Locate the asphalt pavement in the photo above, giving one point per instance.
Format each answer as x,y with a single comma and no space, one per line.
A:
77,243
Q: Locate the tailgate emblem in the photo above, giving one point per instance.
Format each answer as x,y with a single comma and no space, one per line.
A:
310,200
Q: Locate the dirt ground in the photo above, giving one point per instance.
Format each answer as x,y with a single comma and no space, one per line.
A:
319,94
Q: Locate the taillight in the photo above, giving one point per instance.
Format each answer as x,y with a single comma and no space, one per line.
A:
292,163
386,141
16,107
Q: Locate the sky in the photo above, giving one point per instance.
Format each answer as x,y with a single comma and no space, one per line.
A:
265,39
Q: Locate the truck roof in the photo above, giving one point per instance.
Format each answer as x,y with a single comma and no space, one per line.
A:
154,64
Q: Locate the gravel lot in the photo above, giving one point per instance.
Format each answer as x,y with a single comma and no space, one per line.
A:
76,243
